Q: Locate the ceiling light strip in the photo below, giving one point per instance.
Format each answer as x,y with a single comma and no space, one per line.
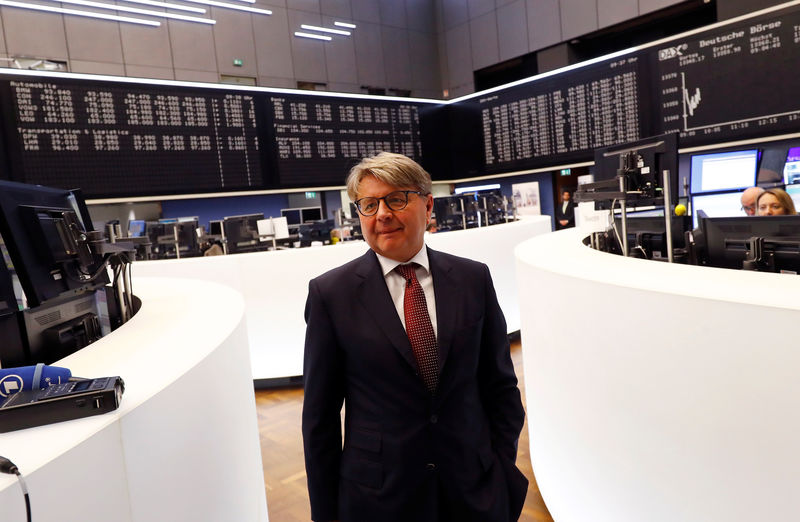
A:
231,6
345,24
324,29
136,10
165,5
75,12
313,36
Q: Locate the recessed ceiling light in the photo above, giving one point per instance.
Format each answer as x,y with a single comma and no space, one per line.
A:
312,36
324,29
75,12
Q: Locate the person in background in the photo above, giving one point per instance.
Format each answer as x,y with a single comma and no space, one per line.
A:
565,212
413,343
775,202
749,197
214,248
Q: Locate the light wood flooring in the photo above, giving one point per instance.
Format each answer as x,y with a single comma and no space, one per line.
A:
282,454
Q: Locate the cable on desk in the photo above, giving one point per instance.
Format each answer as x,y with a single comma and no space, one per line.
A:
8,467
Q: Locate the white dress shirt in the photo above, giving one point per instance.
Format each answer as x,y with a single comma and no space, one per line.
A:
397,284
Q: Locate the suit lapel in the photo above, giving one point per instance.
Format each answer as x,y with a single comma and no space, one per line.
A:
374,296
447,292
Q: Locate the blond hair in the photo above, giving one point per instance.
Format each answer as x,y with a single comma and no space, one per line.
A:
783,198
390,168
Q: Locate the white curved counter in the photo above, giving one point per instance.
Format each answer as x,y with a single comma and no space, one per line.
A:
275,284
658,392
184,443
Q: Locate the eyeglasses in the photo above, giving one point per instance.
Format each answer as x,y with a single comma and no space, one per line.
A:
749,208
397,200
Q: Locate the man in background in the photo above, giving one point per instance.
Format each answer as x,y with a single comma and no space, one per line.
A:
749,197
565,212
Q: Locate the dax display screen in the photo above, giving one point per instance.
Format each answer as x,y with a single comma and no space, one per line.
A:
733,82
120,139
319,138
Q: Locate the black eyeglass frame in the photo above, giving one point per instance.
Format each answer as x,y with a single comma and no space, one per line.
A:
357,202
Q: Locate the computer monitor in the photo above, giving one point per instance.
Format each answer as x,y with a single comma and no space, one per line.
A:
44,230
734,170
310,214
187,237
726,204
641,163
292,215
728,242
449,212
316,231
647,235
136,228
794,193
791,169
240,233
215,227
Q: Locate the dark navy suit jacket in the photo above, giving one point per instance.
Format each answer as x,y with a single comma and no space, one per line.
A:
409,455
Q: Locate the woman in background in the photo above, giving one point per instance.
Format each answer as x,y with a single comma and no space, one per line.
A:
775,202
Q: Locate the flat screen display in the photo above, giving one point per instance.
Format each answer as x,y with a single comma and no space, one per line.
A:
735,170
791,169
292,215
136,228
794,193
727,204
311,214
121,138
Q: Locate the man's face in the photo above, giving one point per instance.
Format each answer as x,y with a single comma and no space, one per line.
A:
565,196
749,203
396,234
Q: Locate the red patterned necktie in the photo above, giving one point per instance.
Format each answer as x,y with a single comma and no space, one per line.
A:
419,328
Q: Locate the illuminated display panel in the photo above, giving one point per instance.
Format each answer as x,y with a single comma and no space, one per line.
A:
564,117
317,139
735,81
117,139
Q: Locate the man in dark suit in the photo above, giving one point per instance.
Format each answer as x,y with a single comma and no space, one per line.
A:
420,358
565,212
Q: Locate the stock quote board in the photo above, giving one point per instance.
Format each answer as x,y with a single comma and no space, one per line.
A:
317,139
736,81
564,117
121,139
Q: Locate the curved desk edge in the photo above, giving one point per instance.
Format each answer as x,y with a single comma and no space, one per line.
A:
184,443
652,392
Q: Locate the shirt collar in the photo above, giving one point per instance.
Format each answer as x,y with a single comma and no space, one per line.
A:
421,258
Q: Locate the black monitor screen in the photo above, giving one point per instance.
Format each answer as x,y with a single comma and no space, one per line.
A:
310,214
241,232
292,215
41,227
215,228
725,242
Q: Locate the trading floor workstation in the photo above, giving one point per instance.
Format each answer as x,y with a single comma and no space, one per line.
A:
664,247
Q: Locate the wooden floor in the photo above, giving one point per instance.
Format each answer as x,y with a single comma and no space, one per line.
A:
282,454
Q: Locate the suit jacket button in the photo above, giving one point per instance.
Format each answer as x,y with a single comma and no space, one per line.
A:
430,466
434,419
